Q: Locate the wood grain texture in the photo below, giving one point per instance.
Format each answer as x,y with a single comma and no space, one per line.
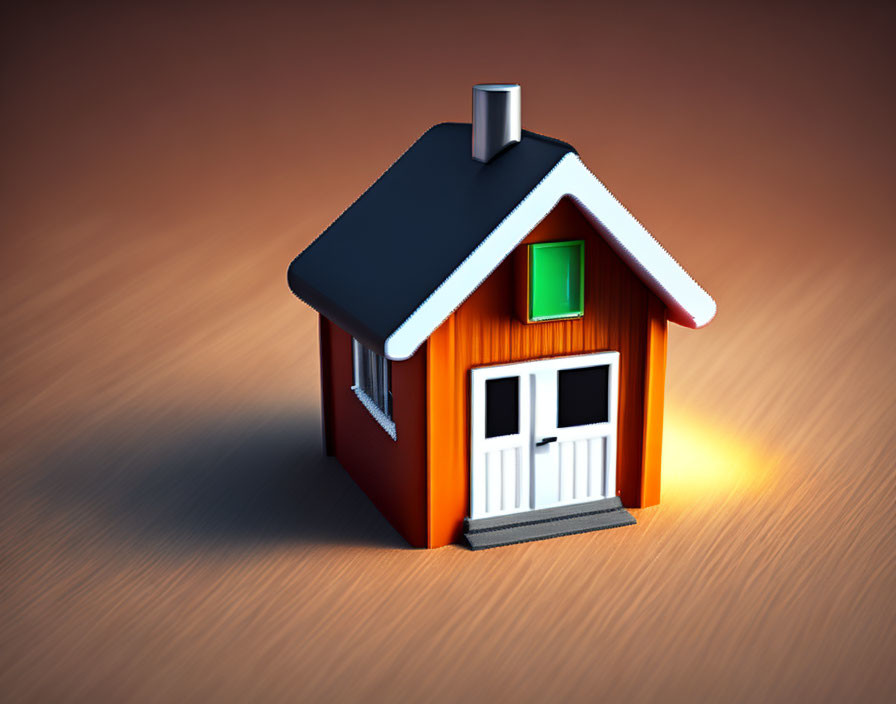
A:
447,474
169,529
391,472
654,395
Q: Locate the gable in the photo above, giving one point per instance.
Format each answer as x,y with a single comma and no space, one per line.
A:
686,302
488,329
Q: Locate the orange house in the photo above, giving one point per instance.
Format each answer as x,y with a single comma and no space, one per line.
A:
493,337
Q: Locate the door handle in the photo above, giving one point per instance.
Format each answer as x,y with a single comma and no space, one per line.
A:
545,441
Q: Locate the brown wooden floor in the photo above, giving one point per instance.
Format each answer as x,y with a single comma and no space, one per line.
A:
168,528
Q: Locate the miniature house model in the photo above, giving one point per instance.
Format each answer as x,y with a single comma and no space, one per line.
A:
493,337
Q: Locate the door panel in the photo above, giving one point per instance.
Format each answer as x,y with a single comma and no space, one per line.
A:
501,425
503,486
576,403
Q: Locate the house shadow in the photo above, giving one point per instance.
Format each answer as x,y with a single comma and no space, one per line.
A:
227,484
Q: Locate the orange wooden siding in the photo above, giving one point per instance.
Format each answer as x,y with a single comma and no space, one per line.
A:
485,330
392,473
655,380
448,474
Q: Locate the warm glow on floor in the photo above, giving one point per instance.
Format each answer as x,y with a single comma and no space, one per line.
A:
702,458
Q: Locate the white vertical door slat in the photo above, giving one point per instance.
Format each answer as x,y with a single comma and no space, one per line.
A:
524,501
609,456
594,480
508,478
567,470
581,463
494,481
477,485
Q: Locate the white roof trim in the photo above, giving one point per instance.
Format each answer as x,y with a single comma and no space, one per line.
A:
688,304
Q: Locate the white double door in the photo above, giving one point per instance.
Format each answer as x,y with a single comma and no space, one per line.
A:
543,433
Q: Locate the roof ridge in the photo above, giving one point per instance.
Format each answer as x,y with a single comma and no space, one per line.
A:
526,133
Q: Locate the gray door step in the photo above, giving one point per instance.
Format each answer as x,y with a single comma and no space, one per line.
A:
544,523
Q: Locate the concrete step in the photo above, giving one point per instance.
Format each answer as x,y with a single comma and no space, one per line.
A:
544,523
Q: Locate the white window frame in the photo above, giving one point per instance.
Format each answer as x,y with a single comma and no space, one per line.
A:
385,421
519,493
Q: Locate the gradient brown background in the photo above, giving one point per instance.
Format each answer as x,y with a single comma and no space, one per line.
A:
169,529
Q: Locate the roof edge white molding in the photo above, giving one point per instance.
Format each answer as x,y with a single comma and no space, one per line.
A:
687,302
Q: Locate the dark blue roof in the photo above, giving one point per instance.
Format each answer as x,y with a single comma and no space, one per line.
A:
404,236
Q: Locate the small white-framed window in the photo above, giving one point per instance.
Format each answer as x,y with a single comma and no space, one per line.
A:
373,385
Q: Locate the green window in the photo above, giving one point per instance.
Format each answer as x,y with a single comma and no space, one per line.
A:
556,280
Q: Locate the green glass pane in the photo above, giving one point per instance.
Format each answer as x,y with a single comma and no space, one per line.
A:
556,289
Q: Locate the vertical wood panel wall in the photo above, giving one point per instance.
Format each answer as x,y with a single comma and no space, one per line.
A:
655,380
485,330
392,473
327,420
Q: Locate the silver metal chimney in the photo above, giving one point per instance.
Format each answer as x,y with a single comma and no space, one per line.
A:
496,118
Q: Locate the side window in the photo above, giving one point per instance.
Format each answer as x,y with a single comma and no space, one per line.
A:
373,384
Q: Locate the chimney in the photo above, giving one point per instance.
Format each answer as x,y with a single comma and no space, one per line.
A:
496,119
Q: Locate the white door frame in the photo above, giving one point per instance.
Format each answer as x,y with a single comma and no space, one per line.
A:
502,469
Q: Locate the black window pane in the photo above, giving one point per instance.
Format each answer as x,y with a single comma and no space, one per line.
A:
583,396
502,406
374,377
